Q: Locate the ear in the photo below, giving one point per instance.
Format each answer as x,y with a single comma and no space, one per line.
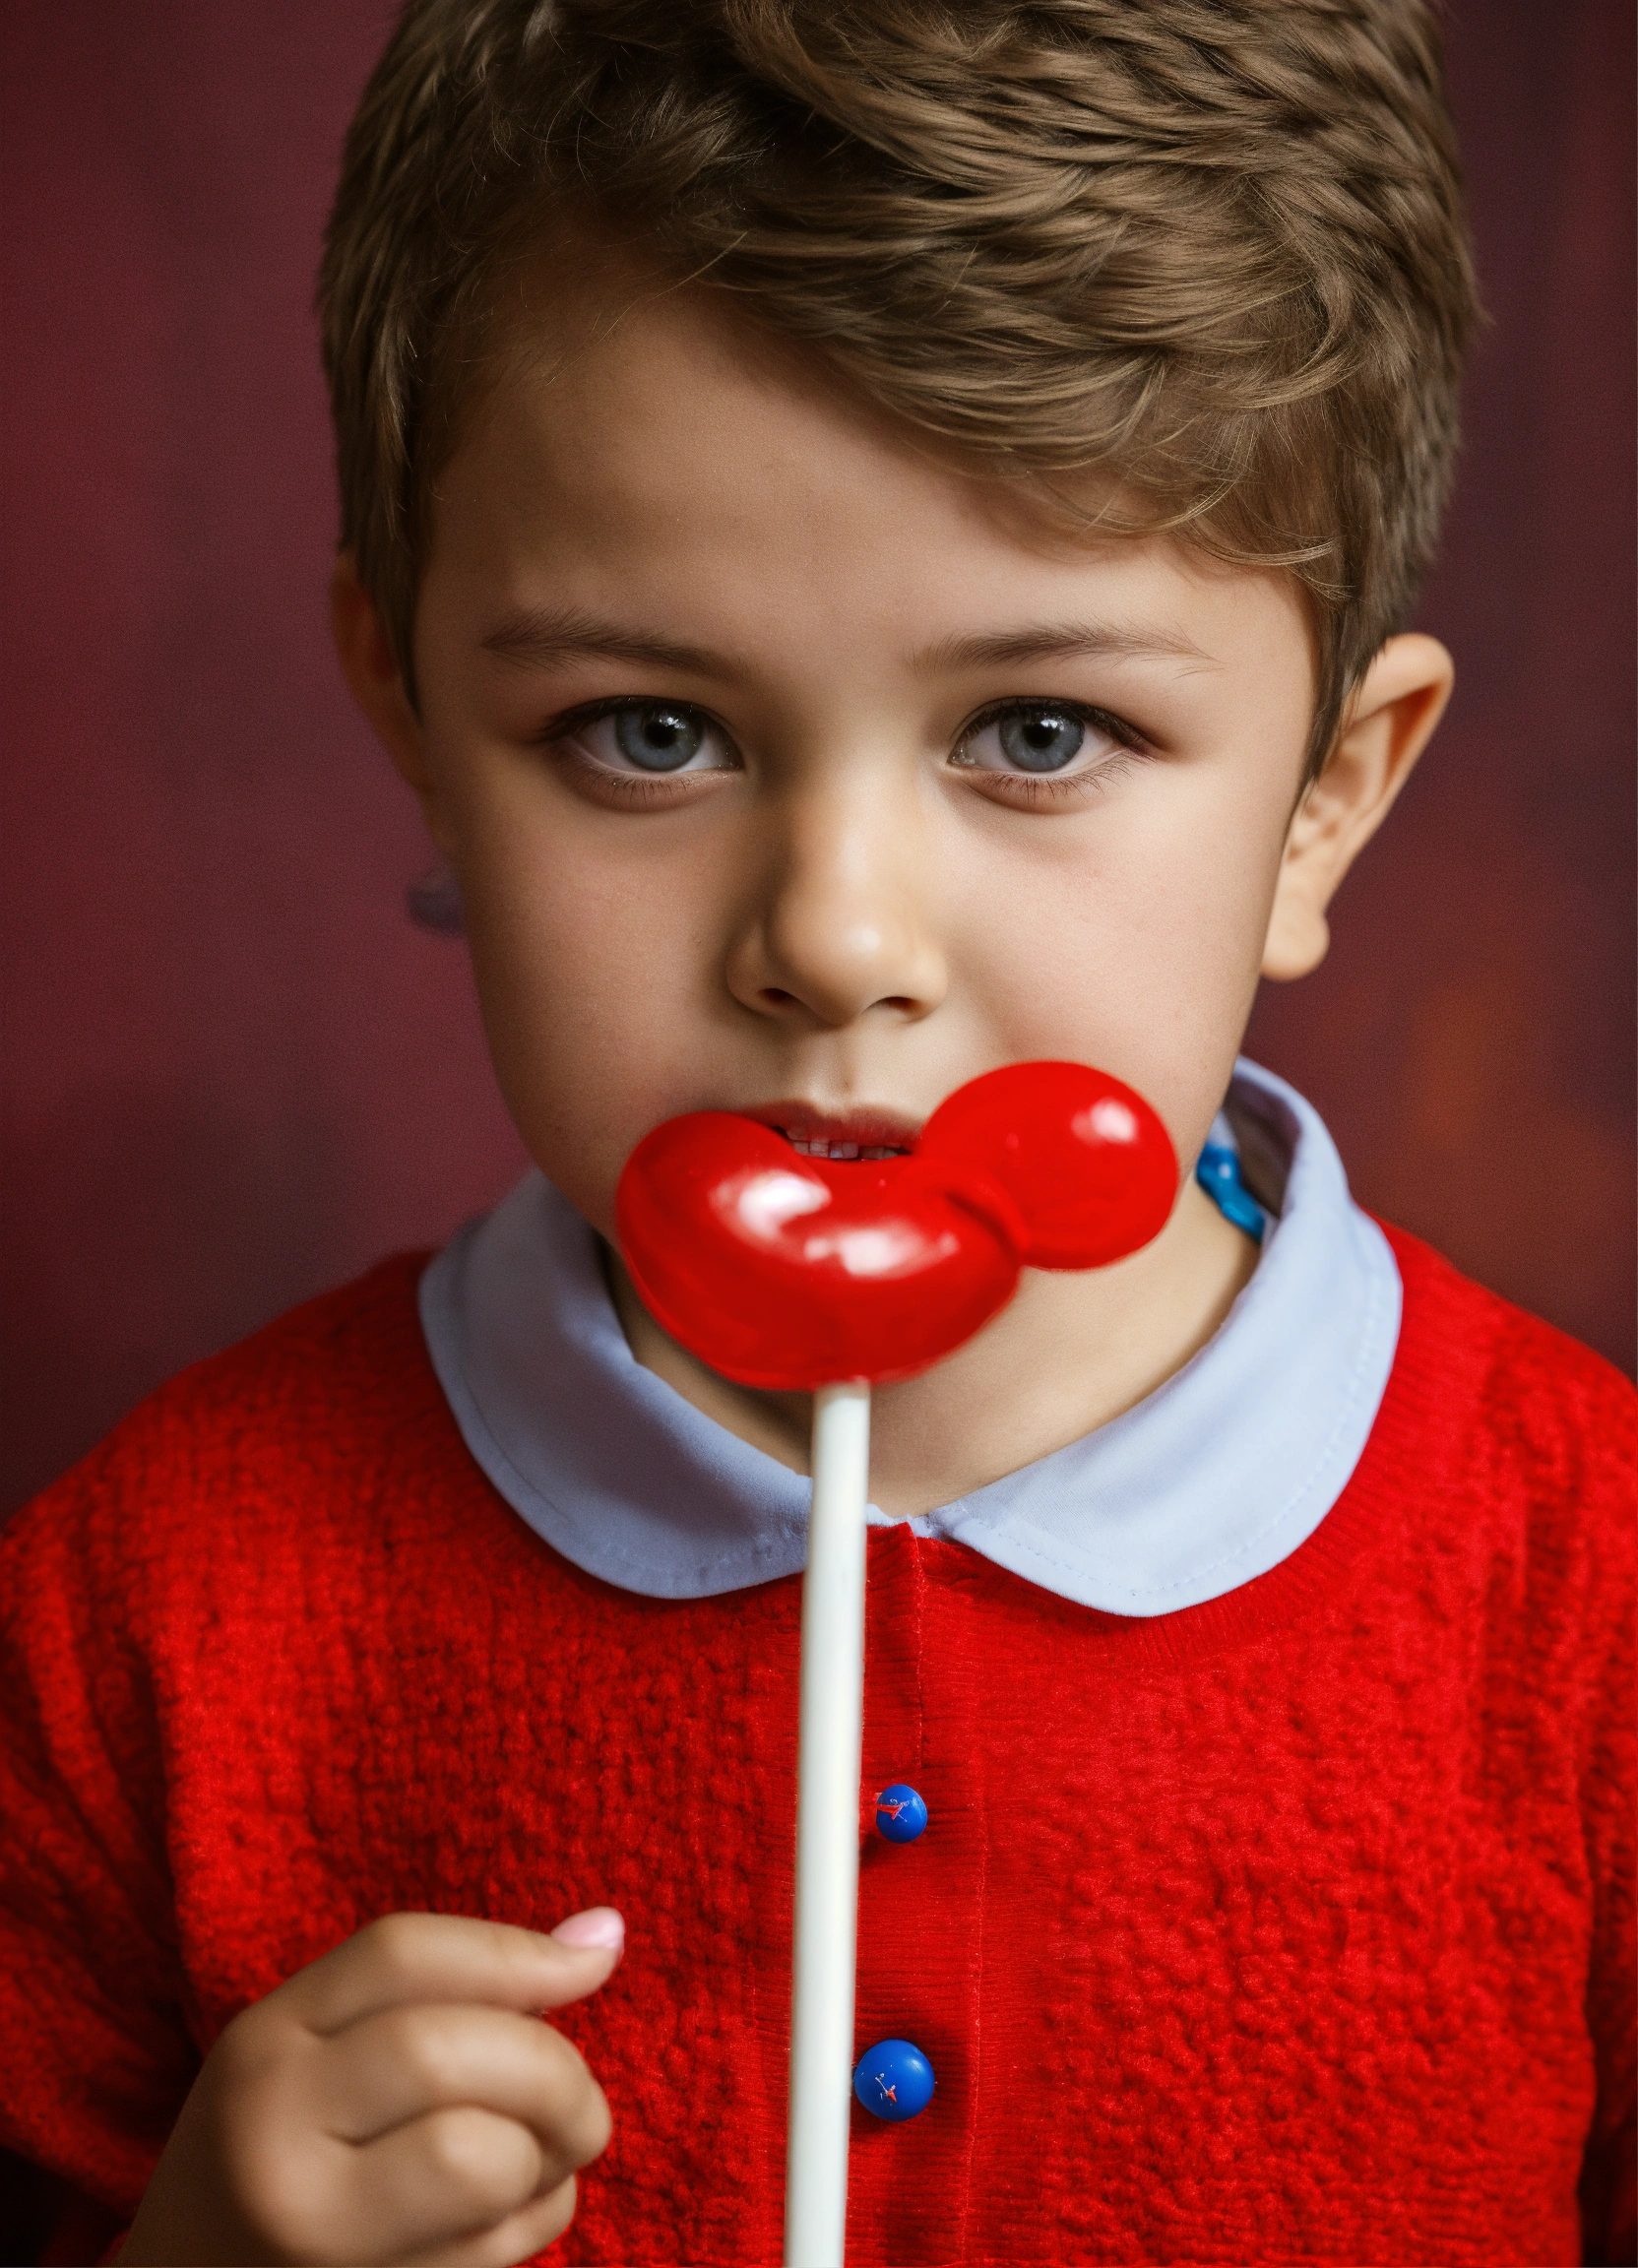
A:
1388,722
376,681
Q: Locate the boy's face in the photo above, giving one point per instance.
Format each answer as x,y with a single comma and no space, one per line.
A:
787,769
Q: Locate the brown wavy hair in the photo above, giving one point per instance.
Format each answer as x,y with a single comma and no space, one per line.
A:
1212,250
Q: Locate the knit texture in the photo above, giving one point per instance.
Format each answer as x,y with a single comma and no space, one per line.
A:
1292,1928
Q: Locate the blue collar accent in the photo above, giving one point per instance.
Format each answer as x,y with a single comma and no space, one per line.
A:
1212,1479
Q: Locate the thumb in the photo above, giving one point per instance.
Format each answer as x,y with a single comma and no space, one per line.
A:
596,1937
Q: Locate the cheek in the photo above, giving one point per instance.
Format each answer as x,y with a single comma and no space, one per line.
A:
588,979
1137,947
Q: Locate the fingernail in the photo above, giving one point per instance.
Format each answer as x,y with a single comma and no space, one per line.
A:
599,1925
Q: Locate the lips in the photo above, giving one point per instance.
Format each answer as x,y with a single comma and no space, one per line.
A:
840,1137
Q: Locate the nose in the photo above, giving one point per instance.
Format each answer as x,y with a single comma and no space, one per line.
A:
839,923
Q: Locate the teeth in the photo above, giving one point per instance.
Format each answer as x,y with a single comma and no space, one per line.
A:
841,1153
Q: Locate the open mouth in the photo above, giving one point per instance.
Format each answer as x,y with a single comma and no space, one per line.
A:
839,1150
856,1138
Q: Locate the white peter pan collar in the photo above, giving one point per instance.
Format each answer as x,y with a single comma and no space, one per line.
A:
1211,1480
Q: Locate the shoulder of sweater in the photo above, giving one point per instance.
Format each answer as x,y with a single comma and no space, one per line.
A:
343,1365
1525,1428
1475,1342
311,1410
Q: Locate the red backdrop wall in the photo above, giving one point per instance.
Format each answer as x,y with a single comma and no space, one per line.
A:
234,1073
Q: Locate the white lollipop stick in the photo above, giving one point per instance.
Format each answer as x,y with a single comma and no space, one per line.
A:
828,1763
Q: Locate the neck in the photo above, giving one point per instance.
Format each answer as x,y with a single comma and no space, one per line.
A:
1068,1354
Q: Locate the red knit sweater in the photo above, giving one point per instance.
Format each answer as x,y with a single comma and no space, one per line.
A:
1292,1928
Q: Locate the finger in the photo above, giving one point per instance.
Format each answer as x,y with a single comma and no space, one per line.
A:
458,2173
517,2238
425,1957
403,2062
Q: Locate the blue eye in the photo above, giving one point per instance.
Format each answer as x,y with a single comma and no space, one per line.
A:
1040,740
658,737
1051,752
1036,738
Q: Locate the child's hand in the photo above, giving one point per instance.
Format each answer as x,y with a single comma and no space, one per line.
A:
396,2100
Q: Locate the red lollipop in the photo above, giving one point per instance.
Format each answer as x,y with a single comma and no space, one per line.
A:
785,1271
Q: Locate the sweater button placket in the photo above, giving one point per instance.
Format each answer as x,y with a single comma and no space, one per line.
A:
894,2079
919,1918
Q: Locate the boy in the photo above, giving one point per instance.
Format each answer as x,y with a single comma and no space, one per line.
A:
875,533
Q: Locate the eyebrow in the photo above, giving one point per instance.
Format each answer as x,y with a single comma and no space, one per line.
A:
1055,642
536,636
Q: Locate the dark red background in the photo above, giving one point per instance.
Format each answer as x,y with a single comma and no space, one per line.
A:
234,1073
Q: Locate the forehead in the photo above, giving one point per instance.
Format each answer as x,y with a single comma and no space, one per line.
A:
641,443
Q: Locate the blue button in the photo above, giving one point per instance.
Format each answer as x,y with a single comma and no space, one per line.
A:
901,1814
894,2079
